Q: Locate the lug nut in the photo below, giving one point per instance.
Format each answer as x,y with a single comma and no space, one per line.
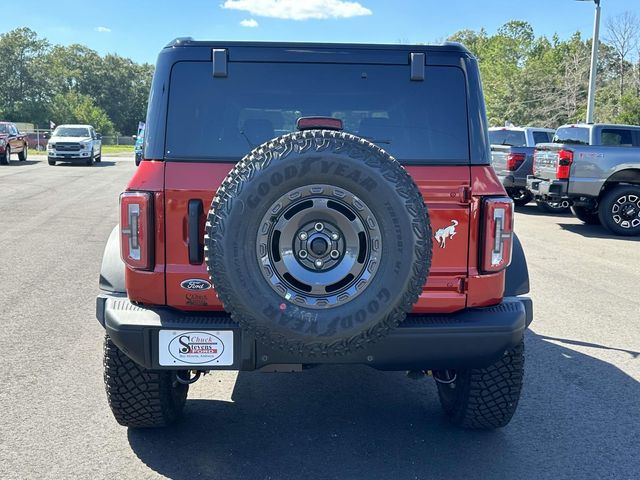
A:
319,263
335,236
334,254
303,235
319,227
302,254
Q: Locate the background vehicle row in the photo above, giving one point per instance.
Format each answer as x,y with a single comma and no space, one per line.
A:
512,157
596,168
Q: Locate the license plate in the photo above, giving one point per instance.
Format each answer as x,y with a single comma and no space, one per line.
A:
195,348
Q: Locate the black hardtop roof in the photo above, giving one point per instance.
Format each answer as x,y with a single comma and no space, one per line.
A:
445,47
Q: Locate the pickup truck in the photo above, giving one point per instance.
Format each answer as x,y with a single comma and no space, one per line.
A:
12,141
596,168
74,143
512,158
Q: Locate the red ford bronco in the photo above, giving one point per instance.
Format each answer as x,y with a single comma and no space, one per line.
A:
306,204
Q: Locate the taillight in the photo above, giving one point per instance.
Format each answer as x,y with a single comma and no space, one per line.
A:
498,234
136,229
563,168
514,160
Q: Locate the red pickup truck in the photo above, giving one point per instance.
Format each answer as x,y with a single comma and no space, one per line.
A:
12,141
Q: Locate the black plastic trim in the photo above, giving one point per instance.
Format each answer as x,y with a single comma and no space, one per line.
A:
195,240
471,338
113,267
517,274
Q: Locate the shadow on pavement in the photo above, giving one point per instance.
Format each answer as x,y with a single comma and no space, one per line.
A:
579,343
594,231
533,209
14,163
103,163
578,418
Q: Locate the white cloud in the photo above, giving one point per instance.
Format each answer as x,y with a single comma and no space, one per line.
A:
299,9
103,29
249,23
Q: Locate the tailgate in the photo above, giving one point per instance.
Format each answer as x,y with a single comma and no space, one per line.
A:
545,161
499,154
445,190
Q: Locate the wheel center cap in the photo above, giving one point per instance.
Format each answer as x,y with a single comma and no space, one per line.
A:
319,246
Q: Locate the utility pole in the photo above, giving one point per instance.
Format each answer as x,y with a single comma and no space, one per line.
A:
594,63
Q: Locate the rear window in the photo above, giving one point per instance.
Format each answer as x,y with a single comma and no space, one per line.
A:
574,135
513,138
224,118
617,137
71,132
542,137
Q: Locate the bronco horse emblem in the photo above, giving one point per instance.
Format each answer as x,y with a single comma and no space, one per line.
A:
446,232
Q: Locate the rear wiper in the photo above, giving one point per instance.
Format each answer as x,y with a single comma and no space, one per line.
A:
374,140
251,145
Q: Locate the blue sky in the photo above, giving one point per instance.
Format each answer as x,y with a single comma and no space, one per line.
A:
139,29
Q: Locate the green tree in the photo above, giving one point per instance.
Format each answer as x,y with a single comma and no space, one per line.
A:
24,88
73,107
629,109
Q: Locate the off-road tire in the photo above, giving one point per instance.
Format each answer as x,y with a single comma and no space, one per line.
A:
51,161
6,158
231,240
606,204
141,398
485,398
586,215
22,156
547,208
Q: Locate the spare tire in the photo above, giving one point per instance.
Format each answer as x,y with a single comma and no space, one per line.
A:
318,242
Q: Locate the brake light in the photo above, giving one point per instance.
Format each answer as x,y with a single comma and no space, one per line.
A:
310,123
498,234
136,229
514,160
563,167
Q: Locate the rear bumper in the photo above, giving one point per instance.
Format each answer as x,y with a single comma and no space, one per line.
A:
512,181
471,338
548,189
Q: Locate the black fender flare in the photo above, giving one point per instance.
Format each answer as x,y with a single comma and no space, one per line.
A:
517,276
113,268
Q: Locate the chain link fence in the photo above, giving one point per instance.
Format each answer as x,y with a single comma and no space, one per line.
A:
118,140
37,139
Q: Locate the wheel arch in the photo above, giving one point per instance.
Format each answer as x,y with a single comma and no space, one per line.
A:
517,276
627,175
113,267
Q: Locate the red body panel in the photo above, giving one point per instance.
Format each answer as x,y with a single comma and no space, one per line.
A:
149,287
451,193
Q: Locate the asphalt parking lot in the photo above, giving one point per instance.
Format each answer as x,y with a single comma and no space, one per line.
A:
579,416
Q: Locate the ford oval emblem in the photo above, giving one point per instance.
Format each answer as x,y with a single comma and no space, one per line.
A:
194,284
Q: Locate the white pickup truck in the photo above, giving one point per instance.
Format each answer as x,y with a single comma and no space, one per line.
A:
74,143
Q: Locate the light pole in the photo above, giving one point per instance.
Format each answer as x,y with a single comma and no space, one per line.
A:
594,62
